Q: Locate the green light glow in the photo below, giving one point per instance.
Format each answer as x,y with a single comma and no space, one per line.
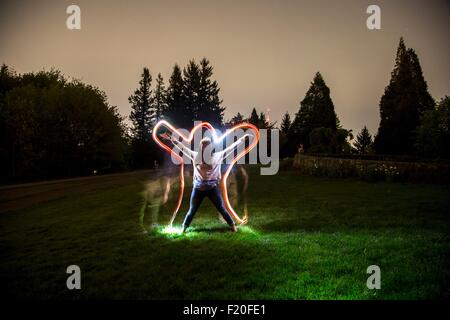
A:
247,229
171,230
175,232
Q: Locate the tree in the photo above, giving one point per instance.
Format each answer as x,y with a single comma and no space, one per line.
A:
320,140
176,112
209,103
316,111
433,134
340,142
8,79
51,127
285,123
191,90
143,115
262,121
238,118
142,109
285,147
326,140
159,99
404,101
193,95
254,119
363,141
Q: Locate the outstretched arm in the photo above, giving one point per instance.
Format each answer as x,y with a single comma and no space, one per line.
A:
230,149
185,150
180,146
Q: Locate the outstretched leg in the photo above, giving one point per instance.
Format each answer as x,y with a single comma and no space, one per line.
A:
216,198
197,197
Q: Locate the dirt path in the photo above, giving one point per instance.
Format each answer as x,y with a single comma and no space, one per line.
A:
21,196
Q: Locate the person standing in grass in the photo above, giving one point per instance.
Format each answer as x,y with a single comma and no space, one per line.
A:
206,177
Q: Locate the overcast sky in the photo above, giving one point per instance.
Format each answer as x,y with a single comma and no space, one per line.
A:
264,53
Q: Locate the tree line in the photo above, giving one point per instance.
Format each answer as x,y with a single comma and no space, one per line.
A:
191,95
412,123
51,127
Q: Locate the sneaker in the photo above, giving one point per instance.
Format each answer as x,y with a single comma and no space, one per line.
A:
233,228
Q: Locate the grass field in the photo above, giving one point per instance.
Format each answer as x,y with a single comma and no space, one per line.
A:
307,238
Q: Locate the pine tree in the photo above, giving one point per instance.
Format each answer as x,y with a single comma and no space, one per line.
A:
285,123
176,111
194,96
191,89
363,141
209,103
254,119
404,101
142,117
263,123
285,147
142,112
160,98
238,118
316,111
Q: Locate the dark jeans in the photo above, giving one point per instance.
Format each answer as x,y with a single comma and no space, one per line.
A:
197,197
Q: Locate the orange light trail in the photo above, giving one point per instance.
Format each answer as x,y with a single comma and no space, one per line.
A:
216,139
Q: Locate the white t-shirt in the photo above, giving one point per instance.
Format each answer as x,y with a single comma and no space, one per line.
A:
207,173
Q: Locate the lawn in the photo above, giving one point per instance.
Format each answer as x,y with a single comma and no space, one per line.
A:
307,238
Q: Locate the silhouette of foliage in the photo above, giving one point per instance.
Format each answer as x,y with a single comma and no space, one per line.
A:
316,111
52,127
363,141
404,101
433,134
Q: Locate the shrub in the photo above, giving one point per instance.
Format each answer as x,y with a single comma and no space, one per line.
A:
372,170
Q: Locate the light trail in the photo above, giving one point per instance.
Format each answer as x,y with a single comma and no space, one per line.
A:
216,139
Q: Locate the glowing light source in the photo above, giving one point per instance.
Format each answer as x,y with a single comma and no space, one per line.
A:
171,230
216,139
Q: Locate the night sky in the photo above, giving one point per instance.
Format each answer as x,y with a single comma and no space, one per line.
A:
264,53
